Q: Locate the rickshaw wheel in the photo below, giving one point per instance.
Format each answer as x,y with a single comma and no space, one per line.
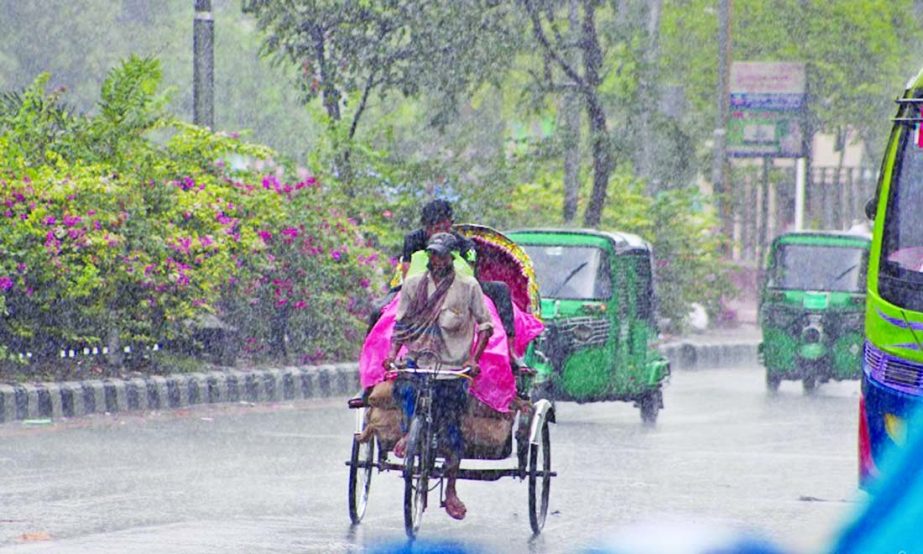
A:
650,406
360,478
416,479
772,382
539,480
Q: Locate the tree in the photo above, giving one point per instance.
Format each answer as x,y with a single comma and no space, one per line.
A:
354,49
585,80
858,55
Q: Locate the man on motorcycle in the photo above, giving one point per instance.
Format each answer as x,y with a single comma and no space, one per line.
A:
439,312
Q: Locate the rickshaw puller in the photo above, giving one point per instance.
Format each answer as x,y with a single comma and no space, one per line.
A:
439,312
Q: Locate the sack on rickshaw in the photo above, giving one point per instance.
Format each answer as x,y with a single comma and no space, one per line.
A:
383,418
483,426
382,396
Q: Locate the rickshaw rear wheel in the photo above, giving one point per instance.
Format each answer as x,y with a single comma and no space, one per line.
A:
650,406
772,382
360,478
416,478
539,480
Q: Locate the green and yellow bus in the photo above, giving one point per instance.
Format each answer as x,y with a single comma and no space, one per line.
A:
892,380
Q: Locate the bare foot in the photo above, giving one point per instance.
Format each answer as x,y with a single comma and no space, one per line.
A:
400,446
455,507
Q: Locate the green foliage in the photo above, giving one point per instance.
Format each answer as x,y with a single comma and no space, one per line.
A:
406,47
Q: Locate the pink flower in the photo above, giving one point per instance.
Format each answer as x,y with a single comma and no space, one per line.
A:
300,305
21,267
224,219
291,233
148,269
8,213
270,182
72,220
265,235
183,244
336,255
206,241
6,283
364,283
97,225
51,220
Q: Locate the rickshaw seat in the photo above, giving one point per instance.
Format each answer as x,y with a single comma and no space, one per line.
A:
357,402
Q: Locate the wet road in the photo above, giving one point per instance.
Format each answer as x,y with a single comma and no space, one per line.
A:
271,478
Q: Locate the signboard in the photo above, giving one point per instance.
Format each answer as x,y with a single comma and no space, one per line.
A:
767,105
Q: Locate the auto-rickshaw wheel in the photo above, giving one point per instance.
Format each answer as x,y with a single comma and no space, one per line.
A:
772,382
809,384
360,478
539,480
650,406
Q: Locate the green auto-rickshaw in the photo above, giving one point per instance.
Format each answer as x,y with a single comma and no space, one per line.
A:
597,302
812,307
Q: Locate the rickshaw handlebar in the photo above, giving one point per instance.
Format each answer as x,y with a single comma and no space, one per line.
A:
460,373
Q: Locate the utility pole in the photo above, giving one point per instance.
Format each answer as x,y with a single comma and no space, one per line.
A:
719,176
203,73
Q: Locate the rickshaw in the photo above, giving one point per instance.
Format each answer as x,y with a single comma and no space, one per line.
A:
812,307
489,434
597,302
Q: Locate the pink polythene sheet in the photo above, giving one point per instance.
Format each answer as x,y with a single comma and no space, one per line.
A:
495,385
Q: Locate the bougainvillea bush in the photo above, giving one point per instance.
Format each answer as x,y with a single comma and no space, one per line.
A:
130,228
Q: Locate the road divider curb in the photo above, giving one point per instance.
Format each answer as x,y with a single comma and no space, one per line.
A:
47,401
690,356
39,401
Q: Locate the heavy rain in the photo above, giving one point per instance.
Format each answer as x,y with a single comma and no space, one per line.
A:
625,276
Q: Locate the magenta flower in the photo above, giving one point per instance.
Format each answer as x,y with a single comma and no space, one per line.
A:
97,225
51,220
265,235
300,305
270,182
21,267
336,255
148,269
206,241
364,283
72,220
6,283
23,216
9,213
290,233
224,219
